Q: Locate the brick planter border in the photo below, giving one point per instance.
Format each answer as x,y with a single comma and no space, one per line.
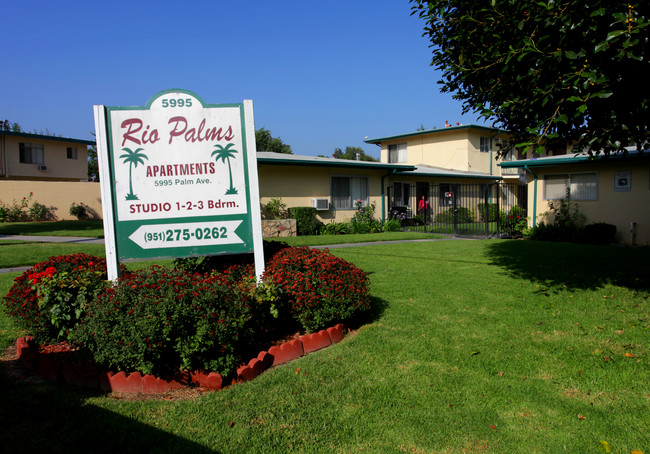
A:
52,368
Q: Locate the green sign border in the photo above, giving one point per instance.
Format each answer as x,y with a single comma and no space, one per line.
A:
127,250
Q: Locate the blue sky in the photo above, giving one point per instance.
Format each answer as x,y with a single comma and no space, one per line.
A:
321,75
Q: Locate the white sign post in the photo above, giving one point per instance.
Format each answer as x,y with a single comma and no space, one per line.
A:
178,179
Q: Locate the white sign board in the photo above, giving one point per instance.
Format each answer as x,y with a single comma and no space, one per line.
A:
179,178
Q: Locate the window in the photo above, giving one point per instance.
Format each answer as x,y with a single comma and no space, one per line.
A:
72,153
401,194
30,153
397,153
485,145
347,190
582,186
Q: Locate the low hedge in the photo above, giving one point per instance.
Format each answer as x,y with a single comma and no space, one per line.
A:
492,212
462,216
306,221
598,233
158,321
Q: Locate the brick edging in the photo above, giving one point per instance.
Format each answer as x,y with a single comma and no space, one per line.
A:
51,367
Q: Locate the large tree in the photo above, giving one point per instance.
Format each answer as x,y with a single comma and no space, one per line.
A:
550,72
352,153
93,164
264,141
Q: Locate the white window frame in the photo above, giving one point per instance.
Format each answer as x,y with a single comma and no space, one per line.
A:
396,153
347,202
580,188
31,153
71,153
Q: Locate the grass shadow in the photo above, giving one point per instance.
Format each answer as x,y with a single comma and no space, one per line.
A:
377,308
573,266
39,417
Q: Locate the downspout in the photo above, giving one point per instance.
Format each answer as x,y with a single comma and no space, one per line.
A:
534,195
383,198
491,156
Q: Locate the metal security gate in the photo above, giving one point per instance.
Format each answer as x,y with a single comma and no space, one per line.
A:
475,209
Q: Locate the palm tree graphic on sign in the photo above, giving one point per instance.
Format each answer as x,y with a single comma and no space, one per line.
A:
225,154
133,158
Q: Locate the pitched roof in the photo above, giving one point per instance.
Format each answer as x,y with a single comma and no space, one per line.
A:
45,137
435,131
574,158
423,170
269,158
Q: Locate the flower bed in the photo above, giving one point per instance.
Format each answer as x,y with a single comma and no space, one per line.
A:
178,326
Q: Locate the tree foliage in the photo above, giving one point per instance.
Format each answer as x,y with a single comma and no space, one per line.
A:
7,125
550,72
264,141
351,153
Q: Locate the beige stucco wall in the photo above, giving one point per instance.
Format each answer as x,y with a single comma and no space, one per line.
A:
297,185
56,195
456,149
612,207
59,167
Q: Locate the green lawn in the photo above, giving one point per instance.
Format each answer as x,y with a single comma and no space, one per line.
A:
22,253
92,229
467,228
324,240
497,346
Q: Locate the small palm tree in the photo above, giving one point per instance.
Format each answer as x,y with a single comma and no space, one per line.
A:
133,158
225,154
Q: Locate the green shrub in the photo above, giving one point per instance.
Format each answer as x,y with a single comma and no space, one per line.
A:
16,211
492,212
39,212
398,213
306,221
553,232
391,225
565,225
513,222
274,209
336,228
463,216
321,289
50,299
364,220
79,210
160,321
4,212
598,233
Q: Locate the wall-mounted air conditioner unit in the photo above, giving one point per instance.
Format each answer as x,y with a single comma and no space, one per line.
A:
42,168
320,204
